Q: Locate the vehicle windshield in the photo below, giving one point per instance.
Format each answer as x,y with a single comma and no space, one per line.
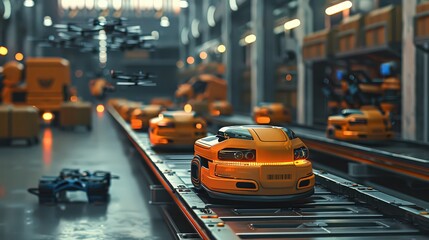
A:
347,112
241,133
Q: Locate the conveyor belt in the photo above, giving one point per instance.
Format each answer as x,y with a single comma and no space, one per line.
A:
328,213
406,158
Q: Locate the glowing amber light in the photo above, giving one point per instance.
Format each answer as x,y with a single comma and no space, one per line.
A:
263,120
187,108
47,116
216,112
3,50
199,125
73,99
19,56
100,108
203,55
288,77
190,60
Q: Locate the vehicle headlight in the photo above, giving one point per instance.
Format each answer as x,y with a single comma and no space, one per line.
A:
300,153
237,154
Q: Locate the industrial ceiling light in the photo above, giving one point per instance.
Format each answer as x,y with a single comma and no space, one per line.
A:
80,4
195,28
3,51
211,16
184,36
190,60
103,4
339,7
292,24
19,56
221,48
183,4
165,22
203,55
117,4
233,5
7,9
29,3
89,4
250,38
47,21
157,5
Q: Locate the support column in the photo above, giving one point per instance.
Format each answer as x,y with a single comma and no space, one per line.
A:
305,79
262,52
408,71
230,39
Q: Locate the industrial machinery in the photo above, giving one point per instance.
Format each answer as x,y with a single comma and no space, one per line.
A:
271,113
253,163
176,129
95,184
365,124
202,90
47,83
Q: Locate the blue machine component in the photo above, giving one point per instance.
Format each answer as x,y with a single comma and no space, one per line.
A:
96,185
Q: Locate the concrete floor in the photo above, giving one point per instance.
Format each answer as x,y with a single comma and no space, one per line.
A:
128,214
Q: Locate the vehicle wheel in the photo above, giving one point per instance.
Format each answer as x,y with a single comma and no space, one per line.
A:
196,172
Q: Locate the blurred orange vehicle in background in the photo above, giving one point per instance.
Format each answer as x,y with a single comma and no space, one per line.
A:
220,108
253,163
141,116
176,129
271,113
359,124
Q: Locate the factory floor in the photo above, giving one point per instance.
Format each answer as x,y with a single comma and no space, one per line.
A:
127,215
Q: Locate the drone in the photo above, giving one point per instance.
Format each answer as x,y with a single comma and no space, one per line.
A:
113,26
135,79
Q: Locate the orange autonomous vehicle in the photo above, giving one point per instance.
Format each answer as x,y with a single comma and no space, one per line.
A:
220,108
140,117
359,124
253,163
176,129
271,113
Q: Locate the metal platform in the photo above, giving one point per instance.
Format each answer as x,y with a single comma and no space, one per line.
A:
339,208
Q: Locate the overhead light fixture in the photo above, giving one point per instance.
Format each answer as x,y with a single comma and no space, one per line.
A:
183,4
29,3
80,4
117,4
103,4
203,55
233,5
47,21
157,5
339,7
3,50
221,48
250,38
190,60
211,16
195,28
292,24
164,22
184,36
89,4
19,56
7,9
